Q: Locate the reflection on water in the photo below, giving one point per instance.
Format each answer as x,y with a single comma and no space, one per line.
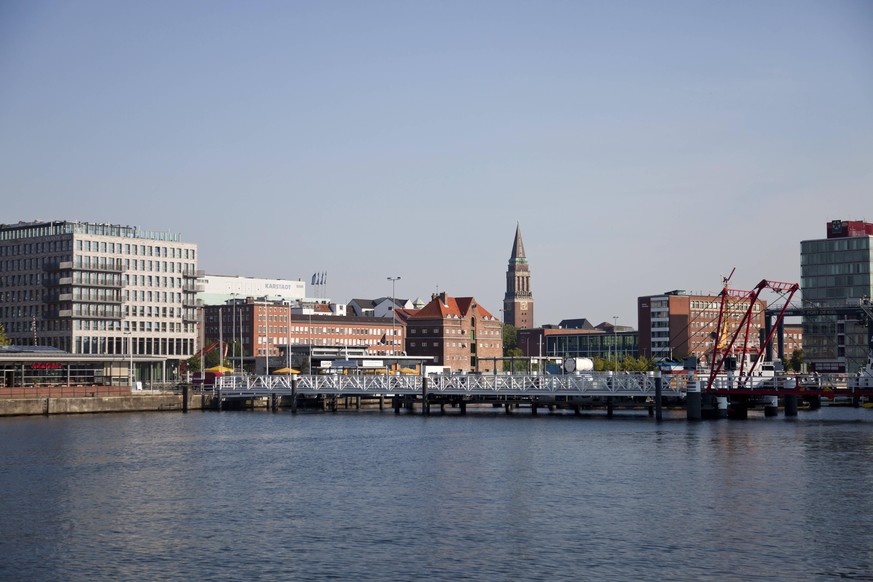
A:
376,496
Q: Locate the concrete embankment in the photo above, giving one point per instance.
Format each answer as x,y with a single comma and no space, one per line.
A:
88,405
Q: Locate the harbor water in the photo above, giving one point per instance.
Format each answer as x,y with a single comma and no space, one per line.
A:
370,495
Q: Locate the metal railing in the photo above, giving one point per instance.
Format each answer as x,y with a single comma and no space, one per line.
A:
594,384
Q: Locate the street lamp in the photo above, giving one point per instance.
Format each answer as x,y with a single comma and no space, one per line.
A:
233,327
393,314
130,362
615,339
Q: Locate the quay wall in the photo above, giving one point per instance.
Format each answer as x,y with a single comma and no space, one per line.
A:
90,405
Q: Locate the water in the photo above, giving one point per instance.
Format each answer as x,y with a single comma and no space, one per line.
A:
374,496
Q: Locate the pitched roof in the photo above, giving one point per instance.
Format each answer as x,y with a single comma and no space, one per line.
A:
442,306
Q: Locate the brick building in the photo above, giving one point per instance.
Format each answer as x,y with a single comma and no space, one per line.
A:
675,324
456,332
264,328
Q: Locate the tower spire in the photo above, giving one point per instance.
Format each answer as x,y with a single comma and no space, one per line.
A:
518,301
518,256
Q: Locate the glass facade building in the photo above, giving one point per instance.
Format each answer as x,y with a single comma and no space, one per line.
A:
836,272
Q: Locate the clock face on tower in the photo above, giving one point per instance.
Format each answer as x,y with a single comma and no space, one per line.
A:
523,305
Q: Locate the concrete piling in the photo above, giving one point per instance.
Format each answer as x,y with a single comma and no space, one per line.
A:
693,410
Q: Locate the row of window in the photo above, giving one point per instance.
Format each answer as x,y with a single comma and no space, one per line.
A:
112,248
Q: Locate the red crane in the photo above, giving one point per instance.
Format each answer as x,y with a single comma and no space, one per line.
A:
722,348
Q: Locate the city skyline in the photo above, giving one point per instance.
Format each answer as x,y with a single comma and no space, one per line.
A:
640,147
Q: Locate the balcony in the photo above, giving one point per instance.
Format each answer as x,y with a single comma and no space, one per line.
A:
57,313
105,268
57,297
98,315
104,285
110,301
56,266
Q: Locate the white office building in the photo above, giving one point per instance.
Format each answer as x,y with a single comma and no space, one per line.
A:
100,289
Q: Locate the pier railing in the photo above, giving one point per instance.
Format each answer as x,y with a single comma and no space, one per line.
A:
592,384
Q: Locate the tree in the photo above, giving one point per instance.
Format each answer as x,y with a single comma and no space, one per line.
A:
510,340
4,339
795,362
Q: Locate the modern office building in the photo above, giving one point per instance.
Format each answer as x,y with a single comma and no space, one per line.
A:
518,307
675,325
457,333
837,272
579,339
103,289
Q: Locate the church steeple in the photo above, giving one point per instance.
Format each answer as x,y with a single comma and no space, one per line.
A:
518,301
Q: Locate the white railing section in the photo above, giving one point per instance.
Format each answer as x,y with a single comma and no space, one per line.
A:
593,384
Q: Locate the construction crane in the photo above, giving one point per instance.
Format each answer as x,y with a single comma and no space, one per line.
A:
723,349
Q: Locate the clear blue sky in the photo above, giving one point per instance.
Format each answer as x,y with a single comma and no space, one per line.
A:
643,146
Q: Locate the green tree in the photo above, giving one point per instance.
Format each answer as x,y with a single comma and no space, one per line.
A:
4,339
795,362
510,340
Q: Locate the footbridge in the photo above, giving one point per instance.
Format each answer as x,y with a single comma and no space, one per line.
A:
610,390
408,391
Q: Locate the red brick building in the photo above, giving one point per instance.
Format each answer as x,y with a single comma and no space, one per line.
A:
457,332
264,326
676,325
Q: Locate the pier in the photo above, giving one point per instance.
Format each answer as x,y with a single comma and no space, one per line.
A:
607,390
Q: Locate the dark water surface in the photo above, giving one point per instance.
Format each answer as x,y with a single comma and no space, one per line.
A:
374,496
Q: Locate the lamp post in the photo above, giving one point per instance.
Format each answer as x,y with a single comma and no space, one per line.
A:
233,327
393,314
615,339
130,361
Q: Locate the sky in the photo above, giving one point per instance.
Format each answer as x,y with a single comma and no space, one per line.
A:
641,146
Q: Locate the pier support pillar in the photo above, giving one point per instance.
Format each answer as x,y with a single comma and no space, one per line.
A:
334,403
738,410
814,402
610,408
721,406
693,409
790,405
396,405
463,405
293,395
508,408
771,406
186,396
659,387
425,404
381,402
576,410
357,402
533,408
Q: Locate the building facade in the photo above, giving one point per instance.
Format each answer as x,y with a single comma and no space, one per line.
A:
675,325
518,307
837,272
217,289
103,289
580,342
457,333
265,328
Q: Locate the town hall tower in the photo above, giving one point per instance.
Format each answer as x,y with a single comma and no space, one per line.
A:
518,301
